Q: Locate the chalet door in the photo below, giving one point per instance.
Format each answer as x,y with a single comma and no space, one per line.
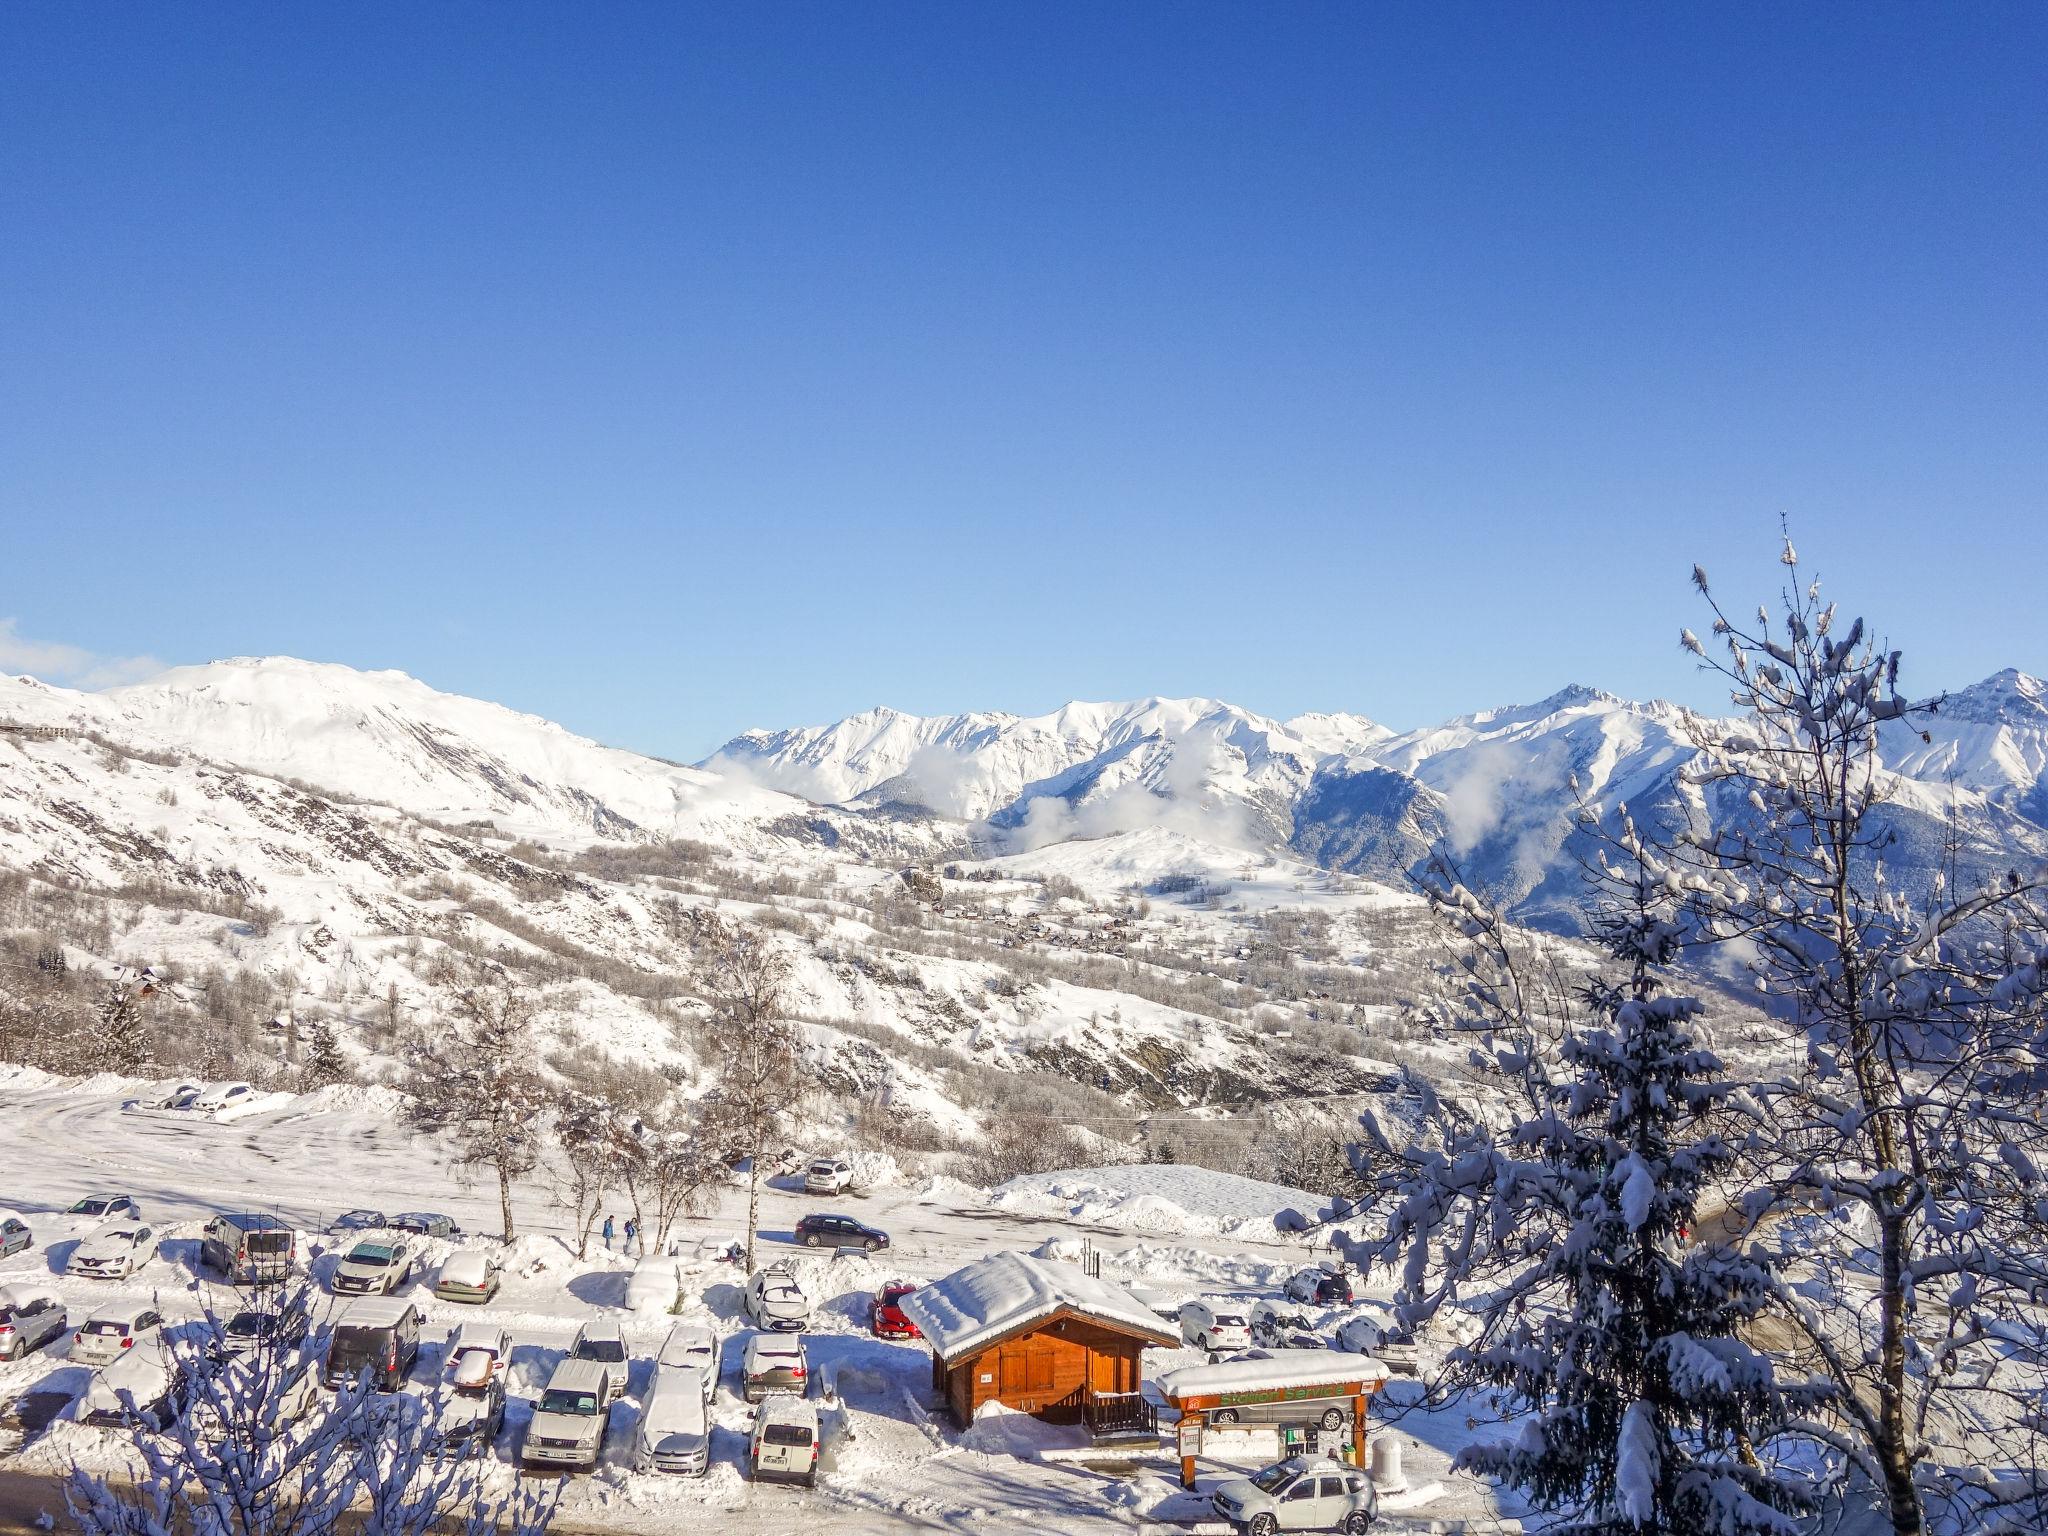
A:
1027,1373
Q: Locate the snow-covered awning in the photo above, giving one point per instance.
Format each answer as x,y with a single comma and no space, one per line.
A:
1006,1293
1277,1371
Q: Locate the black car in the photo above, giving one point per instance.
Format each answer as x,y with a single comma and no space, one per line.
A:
828,1231
255,1331
358,1221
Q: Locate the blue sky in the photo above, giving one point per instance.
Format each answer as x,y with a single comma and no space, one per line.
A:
668,371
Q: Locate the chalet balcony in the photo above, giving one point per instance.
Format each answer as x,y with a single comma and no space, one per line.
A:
1119,1416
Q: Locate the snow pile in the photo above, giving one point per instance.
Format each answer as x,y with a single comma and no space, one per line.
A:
1001,1431
1171,1199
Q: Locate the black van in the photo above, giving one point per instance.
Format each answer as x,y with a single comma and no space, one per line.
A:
378,1334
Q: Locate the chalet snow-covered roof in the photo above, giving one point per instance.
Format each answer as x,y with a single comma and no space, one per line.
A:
1271,1371
1006,1292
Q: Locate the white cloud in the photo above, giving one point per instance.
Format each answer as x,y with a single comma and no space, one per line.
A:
73,665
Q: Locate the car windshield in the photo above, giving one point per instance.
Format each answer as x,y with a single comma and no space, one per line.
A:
248,1325
365,1218
370,1253
1272,1479
787,1434
87,1208
120,1237
566,1400
604,1351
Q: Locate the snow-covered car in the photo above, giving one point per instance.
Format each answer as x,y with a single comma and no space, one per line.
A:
830,1230
776,1302
1215,1325
784,1445
476,1346
105,1208
111,1329
773,1362
364,1220
29,1319
712,1251
469,1276
1306,1493
885,1313
568,1424
692,1346
674,1434
653,1286
1324,1286
261,1330
1279,1325
473,1408
15,1236
113,1252
179,1096
282,1390
600,1342
828,1176
1382,1338
375,1266
426,1224
219,1096
147,1382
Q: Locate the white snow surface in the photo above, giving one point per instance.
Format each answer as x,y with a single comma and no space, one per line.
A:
1168,1199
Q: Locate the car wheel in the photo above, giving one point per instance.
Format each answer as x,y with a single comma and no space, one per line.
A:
1214,1358
810,1239
1263,1525
1357,1523
1225,1416
871,1245
1333,1419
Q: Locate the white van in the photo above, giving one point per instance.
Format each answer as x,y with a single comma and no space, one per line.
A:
784,1445
674,1434
1215,1325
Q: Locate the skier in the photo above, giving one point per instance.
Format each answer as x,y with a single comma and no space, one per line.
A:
607,1234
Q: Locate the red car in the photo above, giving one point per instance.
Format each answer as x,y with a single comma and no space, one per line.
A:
887,1317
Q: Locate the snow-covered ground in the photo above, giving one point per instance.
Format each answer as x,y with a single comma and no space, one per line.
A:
1165,1199
888,1464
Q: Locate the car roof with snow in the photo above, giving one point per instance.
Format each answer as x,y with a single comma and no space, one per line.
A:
20,1291
686,1344
374,1312
120,1310
1005,1293
479,1336
676,1402
605,1328
759,1344
466,1266
573,1375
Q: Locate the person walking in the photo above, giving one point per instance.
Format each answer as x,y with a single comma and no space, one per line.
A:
632,1231
607,1234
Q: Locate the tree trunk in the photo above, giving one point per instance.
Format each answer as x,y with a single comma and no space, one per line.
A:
1893,1450
753,1200
505,1199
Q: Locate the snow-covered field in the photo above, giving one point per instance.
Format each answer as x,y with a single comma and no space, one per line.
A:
1166,1199
888,1464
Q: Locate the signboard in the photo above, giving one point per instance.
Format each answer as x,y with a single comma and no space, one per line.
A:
1284,1394
1190,1435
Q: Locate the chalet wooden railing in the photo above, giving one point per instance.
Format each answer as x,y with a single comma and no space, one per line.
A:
1119,1415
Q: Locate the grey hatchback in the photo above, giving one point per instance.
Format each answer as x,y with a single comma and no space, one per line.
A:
28,1322
14,1235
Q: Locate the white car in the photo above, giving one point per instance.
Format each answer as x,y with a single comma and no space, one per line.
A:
692,1346
1381,1337
479,1346
775,1301
376,1266
113,1252
126,1324
1215,1325
600,1342
774,1362
283,1391
654,1286
784,1445
1283,1325
1309,1493
223,1096
828,1176
675,1436
568,1423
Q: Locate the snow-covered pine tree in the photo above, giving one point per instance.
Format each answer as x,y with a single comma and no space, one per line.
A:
1915,1127
476,1079
120,1034
1617,1345
324,1061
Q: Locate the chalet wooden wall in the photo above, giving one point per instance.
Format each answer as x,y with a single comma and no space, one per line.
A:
1047,1371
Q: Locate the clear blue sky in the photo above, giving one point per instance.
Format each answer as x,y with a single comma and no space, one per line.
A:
668,371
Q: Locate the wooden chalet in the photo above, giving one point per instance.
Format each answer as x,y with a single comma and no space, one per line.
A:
1044,1338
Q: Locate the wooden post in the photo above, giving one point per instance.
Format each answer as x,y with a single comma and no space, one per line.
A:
1358,1429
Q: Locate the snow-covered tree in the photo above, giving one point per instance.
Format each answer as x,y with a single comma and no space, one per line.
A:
594,1144
325,1063
747,977
475,1078
677,1172
1915,1125
1616,1343
260,1449
120,1034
